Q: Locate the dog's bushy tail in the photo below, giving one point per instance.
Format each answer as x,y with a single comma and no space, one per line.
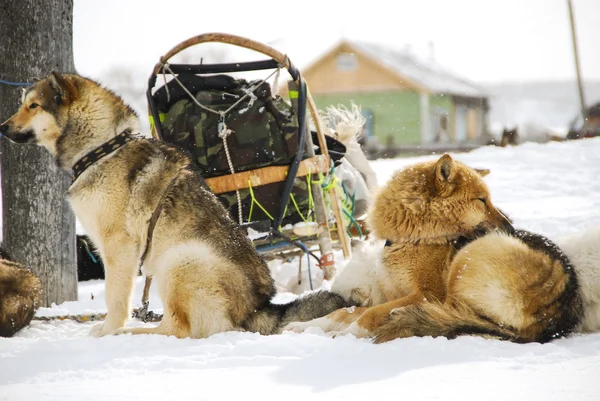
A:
273,317
436,319
20,296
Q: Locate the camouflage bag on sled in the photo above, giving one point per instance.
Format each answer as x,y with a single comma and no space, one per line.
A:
264,129
264,133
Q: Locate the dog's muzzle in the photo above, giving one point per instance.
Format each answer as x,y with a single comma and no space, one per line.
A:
17,137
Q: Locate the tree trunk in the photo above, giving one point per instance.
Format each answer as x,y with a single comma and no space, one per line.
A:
38,226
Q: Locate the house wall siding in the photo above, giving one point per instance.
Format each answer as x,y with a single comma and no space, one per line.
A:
396,114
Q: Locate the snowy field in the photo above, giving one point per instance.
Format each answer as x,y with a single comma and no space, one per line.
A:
553,189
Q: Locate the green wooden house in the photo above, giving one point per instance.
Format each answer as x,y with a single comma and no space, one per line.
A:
405,100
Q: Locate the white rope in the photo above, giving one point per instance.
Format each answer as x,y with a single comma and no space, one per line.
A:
221,113
223,134
276,83
165,81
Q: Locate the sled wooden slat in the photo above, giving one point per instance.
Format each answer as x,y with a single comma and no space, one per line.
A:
265,175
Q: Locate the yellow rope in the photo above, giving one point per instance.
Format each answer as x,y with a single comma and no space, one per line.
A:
332,183
297,208
320,180
311,201
255,201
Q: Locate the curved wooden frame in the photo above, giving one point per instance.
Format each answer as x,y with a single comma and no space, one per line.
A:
284,61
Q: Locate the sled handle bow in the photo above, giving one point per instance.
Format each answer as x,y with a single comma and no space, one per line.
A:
239,41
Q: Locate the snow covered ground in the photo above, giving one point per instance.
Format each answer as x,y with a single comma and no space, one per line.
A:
552,188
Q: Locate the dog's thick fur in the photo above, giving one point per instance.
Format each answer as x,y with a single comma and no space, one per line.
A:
453,266
20,295
584,253
210,277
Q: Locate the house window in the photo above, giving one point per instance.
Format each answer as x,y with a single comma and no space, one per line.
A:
346,62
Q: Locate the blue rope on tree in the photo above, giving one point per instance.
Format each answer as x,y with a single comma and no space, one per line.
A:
10,83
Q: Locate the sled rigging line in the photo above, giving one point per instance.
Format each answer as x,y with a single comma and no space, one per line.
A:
303,247
221,113
95,317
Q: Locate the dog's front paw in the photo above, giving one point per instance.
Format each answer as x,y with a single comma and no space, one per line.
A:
122,330
96,330
354,329
296,327
101,330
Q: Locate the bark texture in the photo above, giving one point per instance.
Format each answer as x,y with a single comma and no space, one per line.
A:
38,230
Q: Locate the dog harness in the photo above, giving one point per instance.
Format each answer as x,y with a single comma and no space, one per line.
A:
101,151
91,158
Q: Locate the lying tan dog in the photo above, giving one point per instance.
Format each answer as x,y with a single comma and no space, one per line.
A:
452,265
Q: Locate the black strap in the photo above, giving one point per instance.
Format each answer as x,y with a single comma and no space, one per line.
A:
101,151
293,170
222,68
143,313
154,219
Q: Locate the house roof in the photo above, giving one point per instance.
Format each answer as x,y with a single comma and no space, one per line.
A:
425,73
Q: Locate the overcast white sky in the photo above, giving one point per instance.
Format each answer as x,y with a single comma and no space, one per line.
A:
484,40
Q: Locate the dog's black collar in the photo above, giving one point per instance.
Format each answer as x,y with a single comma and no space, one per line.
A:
101,151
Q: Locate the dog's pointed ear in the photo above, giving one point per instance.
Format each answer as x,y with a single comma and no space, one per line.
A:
482,171
445,170
64,89
445,175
